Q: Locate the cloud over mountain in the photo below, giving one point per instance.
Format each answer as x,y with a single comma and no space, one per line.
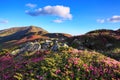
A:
114,19
31,5
62,12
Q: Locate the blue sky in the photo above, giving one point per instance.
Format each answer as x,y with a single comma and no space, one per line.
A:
68,16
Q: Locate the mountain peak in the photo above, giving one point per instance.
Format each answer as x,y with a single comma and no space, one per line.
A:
35,29
18,33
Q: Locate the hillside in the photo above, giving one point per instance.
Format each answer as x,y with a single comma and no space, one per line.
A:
10,31
98,38
105,41
92,56
65,64
19,35
115,33
10,37
19,32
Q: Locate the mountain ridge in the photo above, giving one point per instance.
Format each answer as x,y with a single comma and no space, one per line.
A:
19,35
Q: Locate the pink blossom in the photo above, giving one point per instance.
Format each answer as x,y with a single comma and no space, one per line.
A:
18,66
6,76
67,66
37,59
91,67
39,77
101,73
90,79
78,69
75,51
85,65
58,71
74,60
72,75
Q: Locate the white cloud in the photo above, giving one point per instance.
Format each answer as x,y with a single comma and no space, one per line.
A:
58,21
62,12
100,20
31,5
4,21
114,19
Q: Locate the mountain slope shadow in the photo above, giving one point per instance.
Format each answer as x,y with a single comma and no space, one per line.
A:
16,36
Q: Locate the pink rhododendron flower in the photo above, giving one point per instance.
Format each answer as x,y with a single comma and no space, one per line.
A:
75,61
39,77
72,75
58,71
37,59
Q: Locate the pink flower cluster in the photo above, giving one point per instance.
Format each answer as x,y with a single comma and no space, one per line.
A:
58,71
75,61
111,62
39,77
74,51
99,71
37,59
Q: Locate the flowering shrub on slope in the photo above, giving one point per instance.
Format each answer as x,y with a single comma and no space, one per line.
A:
65,65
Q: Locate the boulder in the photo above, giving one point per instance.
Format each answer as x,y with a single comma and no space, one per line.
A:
28,47
55,46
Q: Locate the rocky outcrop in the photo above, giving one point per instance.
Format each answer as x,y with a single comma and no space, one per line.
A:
28,47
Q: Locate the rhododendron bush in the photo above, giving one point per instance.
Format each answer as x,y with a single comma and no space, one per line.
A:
63,65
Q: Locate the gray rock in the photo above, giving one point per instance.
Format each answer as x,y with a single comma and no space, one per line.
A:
109,45
28,47
55,46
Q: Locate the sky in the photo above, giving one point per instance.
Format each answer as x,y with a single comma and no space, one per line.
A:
75,17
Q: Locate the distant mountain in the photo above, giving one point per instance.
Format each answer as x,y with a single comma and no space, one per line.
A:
118,30
97,39
105,31
23,30
20,32
113,33
18,35
10,31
